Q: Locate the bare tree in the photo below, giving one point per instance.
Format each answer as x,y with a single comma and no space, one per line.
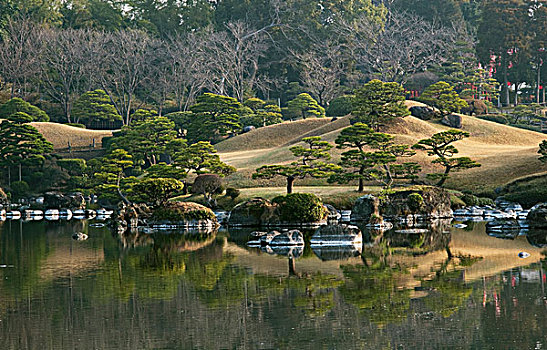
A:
405,45
66,66
189,66
322,69
234,58
124,57
20,54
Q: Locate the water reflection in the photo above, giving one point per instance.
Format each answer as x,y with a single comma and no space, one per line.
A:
402,289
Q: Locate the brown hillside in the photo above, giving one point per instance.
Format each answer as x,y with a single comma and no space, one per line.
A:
505,152
60,135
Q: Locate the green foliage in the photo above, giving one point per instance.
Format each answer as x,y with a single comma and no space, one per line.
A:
157,190
174,215
19,189
232,192
21,143
201,158
75,167
304,106
340,106
525,114
360,164
18,105
377,104
148,140
111,174
415,201
94,106
143,114
442,96
543,151
263,114
456,202
470,200
496,118
310,164
300,207
213,118
440,146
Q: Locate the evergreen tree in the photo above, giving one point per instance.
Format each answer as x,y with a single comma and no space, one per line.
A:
311,163
304,106
94,106
442,96
21,143
377,104
16,104
440,146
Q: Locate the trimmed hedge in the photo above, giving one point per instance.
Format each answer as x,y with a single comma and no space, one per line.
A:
300,207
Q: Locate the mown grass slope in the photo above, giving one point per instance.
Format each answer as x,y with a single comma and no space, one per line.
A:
60,135
505,152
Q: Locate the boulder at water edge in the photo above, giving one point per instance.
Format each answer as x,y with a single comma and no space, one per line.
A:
423,201
537,217
365,207
183,214
253,213
337,235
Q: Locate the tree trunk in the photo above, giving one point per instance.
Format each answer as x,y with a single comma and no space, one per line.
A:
443,179
538,84
290,181
9,176
507,101
389,177
516,94
20,172
361,185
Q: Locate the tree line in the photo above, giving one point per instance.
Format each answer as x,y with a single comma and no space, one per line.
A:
162,55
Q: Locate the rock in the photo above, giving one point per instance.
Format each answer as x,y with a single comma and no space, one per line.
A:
424,202
248,128
537,217
79,236
453,121
424,112
337,235
503,228
365,207
476,107
57,200
178,214
332,213
286,238
330,253
253,213
288,251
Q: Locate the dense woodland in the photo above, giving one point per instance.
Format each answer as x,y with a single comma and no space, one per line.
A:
161,55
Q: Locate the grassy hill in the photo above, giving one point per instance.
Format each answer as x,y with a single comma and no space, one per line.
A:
60,135
505,152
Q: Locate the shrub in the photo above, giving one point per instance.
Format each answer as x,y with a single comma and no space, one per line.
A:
340,106
496,118
470,200
76,125
208,185
456,202
232,192
74,166
300,207
483,201
415,201
19,189
158,190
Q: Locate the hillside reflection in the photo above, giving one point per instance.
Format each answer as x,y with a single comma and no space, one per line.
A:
141,290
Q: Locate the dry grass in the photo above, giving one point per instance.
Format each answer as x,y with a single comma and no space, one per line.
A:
505,152
60,135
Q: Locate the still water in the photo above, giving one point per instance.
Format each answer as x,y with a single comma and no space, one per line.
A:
176,291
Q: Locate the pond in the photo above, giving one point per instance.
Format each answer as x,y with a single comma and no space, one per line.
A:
175,291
